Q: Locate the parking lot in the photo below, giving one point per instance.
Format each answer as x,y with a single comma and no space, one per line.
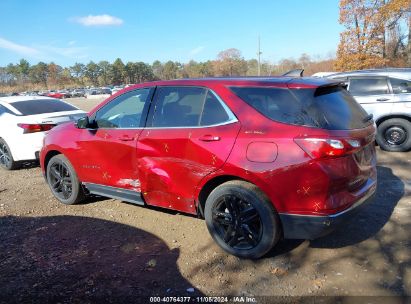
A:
108,249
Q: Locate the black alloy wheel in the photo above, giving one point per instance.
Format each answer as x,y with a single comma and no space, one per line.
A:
242,220
237,222
63,181
60,180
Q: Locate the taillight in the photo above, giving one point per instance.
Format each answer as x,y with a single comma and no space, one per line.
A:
327,147
33,128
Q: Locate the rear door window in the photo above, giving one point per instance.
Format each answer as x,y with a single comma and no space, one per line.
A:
400,86
368,86
330,108
188,107
178,106
41,106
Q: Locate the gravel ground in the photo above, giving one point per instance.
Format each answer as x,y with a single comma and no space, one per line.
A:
107,250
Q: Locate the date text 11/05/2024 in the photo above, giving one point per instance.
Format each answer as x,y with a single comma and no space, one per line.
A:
201,299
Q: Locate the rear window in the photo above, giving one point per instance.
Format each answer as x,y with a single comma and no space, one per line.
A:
331,108
40,106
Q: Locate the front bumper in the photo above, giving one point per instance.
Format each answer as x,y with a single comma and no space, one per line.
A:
312,227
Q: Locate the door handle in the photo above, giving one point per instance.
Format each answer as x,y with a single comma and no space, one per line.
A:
209,138
382,99
126,138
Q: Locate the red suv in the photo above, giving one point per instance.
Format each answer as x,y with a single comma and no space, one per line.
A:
259,158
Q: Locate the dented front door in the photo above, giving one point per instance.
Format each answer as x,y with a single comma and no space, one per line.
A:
111,159
108,147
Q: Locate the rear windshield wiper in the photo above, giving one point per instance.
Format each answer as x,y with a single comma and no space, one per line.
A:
367,118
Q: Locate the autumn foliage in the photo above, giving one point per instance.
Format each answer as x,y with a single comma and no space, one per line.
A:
374,34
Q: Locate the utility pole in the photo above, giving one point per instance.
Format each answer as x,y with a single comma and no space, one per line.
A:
409,40
259,56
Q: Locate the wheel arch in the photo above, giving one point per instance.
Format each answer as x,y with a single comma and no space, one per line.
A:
208,186
11,147
380,120
49,156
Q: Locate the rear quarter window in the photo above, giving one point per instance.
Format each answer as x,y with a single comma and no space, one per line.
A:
41,106
368,86
400,86
330,108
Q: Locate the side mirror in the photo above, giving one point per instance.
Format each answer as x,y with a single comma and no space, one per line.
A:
83,123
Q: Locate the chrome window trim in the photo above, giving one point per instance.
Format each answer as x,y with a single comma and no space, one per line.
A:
165,128
91,129
231,116
194,127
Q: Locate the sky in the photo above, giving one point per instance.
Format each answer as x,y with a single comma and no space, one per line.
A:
69,31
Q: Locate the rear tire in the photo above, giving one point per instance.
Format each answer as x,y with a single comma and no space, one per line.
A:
242,220
63,181
6,158
394,135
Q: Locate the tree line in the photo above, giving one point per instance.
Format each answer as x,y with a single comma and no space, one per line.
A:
230,62
377,34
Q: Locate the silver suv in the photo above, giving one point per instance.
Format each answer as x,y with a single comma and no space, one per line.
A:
385,93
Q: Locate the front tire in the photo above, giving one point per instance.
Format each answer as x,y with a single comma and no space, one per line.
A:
394,135
63,181
242,220
6,158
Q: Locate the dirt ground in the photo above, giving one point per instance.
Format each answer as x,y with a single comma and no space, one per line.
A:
110,251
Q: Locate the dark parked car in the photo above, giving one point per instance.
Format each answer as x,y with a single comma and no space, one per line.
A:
78,93
261,159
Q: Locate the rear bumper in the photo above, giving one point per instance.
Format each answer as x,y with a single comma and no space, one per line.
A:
312,227
26,146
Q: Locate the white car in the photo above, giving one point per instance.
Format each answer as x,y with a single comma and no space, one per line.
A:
24,121
116,89
322,74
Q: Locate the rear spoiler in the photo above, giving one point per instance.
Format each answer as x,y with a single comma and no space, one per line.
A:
294,73
329,87
297,82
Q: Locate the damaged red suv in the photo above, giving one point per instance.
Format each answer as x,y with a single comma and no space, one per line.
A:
259,158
